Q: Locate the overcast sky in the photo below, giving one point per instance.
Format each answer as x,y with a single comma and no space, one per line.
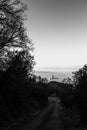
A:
58,29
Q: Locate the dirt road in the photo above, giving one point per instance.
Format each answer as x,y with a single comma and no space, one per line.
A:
49,119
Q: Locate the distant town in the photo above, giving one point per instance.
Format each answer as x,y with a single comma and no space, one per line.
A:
53,78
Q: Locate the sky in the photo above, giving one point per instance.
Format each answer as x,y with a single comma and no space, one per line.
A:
58,29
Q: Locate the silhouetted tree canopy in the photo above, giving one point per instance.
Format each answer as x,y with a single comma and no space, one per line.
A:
19,92
80,77
12,30
14,41
20,65
80,82
67,81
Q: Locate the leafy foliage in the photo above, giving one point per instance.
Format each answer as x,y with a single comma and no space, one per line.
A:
12,30
80,81
19,92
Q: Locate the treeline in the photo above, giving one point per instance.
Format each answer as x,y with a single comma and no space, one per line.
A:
20,94
73,92
80,84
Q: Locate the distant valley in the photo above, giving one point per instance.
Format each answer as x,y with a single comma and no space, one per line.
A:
59,73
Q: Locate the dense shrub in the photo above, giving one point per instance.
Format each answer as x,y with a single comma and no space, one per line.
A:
19,93
80,83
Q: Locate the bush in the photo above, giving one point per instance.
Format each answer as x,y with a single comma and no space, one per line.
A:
80,82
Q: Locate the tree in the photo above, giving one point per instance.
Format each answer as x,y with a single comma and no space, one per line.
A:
15,85
20,65
16,61
12,30
13,36
67,81
80,78
80,83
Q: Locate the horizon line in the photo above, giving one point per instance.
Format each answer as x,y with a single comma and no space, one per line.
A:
58,69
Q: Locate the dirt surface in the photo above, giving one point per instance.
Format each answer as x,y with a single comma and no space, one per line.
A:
48,119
